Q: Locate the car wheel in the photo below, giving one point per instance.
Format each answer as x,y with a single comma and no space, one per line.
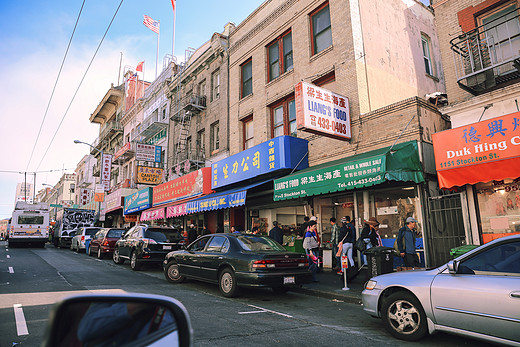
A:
134,263
227,283
99,253
89,253
116,258
404,317
172,273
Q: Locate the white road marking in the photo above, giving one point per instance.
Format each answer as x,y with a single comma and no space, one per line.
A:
21,325
262,310
8,256
11,270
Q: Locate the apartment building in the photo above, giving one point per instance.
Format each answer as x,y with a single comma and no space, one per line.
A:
477,160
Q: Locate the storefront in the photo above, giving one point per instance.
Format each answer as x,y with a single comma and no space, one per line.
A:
386,183
483,159
135,203
114,207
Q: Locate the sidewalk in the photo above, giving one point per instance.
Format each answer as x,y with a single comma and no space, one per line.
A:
330,286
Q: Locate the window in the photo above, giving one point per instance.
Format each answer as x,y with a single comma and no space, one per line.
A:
247,78
214,134
188,147
283,118
321,29
201,143
202,88
503,258
216,244
279,56
215,85
425,42
248,131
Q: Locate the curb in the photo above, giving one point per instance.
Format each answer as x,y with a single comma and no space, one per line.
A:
337,295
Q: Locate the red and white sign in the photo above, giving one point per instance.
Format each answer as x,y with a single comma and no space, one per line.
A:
321,111
106,166
84,197
176,211
144,152
123,150
152,214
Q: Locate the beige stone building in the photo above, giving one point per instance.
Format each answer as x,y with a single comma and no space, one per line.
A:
480,46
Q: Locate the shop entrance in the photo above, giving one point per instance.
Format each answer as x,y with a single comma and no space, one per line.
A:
446,227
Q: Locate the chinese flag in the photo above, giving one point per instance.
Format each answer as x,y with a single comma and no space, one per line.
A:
140,67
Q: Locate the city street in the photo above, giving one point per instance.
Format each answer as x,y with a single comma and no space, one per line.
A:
32,280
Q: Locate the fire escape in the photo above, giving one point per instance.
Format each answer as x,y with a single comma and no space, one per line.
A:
489,55
186,107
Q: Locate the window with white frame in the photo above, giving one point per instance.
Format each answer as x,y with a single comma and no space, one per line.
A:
215,85
214,137
425,43
321,29
248,131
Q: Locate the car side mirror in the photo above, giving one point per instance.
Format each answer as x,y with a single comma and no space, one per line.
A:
118,319
453,266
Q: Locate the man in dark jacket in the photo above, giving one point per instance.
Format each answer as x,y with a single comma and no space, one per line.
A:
192,234
304,226
406,242
276,233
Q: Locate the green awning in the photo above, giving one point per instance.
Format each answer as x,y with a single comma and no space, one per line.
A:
363,170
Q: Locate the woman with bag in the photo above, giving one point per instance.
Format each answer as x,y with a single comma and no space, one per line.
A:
347,242
311,246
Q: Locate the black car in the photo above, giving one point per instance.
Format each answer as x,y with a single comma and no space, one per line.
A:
238,260
146,244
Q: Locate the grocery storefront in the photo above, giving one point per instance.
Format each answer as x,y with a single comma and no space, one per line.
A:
483,160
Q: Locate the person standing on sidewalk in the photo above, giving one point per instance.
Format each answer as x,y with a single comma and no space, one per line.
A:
406,240
334,239
311,246
348,242
276,233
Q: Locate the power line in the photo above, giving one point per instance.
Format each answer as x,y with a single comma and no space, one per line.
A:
55,84
80,83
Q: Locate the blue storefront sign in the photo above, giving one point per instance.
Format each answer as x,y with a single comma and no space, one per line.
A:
138,201
217,202
282,152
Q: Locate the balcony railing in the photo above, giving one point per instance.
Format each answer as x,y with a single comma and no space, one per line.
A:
152,125
190,104
110,129
489,54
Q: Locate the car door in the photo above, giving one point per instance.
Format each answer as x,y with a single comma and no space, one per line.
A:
189,261
125,243
484,295
212,257
97,240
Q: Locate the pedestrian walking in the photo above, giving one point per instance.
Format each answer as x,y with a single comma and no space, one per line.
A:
276,233
334,239
311,246
192,233
370,235
406,239
304,226
349,235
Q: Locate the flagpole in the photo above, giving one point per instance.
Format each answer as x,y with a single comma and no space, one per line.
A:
157,56
173,35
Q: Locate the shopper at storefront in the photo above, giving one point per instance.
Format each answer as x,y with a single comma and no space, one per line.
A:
370,235
192,233
406,240
304,226
276,233
348,235
311,246
334,238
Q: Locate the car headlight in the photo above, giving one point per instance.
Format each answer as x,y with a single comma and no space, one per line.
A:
370,285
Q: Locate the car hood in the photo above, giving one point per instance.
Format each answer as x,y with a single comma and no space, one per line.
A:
407,279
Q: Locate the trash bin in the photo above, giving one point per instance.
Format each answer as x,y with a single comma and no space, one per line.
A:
380,260
87,245
458,251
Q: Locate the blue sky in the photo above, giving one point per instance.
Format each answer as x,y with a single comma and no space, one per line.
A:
34,36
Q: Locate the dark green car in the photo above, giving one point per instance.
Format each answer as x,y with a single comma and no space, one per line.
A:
238,260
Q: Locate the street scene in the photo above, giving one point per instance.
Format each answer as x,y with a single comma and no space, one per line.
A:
289,172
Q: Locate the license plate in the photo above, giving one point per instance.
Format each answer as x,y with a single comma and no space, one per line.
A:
288,280
166,247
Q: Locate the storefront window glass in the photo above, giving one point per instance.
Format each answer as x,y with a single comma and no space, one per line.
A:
499,207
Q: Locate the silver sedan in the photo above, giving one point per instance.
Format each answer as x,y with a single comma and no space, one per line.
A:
476,295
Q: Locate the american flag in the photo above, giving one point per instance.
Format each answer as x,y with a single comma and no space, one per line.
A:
151,24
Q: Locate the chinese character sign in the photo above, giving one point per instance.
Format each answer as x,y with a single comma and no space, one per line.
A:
321,111
148,152
192,184
106,166
282,152
149,175
488,141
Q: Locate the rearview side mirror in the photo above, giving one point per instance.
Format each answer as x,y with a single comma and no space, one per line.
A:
453,266
118,319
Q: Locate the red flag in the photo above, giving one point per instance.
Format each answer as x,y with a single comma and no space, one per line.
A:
139,67
151,24
173,5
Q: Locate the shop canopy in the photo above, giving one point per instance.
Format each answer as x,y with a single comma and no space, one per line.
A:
229,198
479,152
401,163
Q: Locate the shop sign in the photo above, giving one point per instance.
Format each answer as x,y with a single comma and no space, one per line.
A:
106,166
282,152
193,184
99,193
113,201
153,214
464,154
123,150
138,201
348,175
131,218
148,152
176,211
149,175
217,202
84,196
321,111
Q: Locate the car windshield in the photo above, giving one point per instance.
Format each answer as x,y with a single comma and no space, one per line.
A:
258,243
115,233
91,231
163,235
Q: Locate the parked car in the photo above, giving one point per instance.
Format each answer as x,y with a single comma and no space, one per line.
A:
80,235
146,244
104,241
238,260
476,295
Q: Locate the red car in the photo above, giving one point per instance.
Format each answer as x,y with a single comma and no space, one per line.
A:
104,241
